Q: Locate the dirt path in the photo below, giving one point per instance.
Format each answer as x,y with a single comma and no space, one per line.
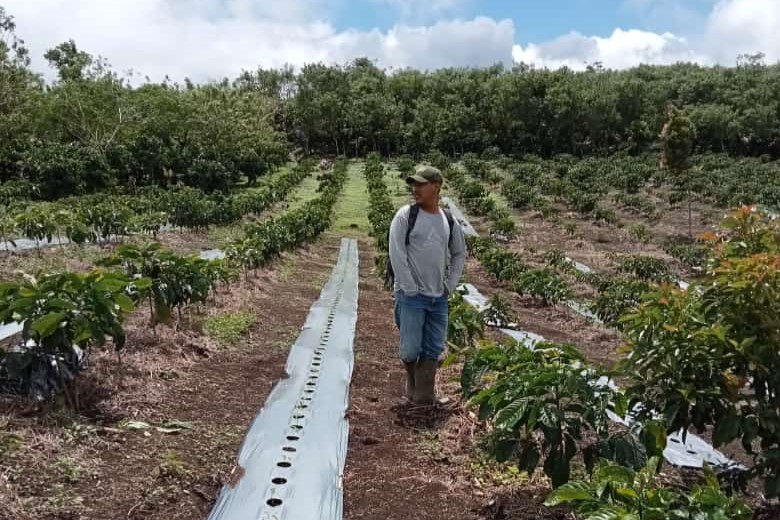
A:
388,475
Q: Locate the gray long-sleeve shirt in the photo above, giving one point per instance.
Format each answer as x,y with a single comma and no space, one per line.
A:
422,267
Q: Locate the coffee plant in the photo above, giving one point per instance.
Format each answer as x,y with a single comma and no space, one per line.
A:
545,285
538,402
64,315
646,268
613,491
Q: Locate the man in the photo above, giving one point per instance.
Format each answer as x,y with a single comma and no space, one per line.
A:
423,237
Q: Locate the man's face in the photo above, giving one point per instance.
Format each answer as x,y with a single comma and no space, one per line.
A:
425,192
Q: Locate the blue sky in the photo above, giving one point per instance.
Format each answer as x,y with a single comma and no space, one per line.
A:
540,20
212,39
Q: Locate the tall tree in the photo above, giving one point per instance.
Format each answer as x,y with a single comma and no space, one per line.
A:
677,138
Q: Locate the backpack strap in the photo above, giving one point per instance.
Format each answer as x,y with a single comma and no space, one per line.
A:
451,222
414,210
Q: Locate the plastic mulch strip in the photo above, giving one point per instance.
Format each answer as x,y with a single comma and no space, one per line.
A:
291,462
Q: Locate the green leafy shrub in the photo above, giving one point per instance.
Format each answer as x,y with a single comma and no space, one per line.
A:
614,492
64,315
726,326
640,233
540,403
646,268
543,284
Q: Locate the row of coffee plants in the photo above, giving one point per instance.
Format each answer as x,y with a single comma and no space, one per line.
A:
176,281
264,241
103,216
545,284
536,185
380,212
478,201
65,315
542,284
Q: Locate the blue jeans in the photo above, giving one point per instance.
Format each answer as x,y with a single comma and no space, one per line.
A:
422,321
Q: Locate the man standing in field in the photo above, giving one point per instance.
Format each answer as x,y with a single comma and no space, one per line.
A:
427,254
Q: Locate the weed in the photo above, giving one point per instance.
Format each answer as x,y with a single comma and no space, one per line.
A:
227,329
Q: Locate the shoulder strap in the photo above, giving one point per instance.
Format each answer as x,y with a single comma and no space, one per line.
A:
414,210
451,222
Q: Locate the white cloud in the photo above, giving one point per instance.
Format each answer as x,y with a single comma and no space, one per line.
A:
622,49
731,28
211,39
744,26
200,40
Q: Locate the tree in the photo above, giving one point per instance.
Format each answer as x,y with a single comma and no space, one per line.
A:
707,356
677,139
19,90
70,62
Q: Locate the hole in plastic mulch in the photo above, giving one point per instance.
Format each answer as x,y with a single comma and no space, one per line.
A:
289,449
293,438
274,502
284,464
279,481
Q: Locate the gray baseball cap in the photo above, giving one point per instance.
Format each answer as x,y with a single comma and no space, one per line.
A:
424,174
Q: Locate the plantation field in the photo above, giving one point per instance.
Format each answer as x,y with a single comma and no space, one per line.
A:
151,425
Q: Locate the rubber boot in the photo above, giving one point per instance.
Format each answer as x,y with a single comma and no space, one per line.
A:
410,388
425,378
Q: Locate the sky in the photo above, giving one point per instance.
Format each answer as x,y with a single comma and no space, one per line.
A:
212,39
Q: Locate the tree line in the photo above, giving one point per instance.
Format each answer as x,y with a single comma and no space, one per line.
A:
92,129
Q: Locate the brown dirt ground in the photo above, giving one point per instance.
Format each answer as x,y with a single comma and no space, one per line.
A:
673,220
66,465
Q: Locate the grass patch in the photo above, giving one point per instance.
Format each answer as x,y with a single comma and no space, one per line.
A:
304,192
172,467
287,268
9,443
227,329
352,207
489,473
223,235
69,469
432,445
287,339
319,280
